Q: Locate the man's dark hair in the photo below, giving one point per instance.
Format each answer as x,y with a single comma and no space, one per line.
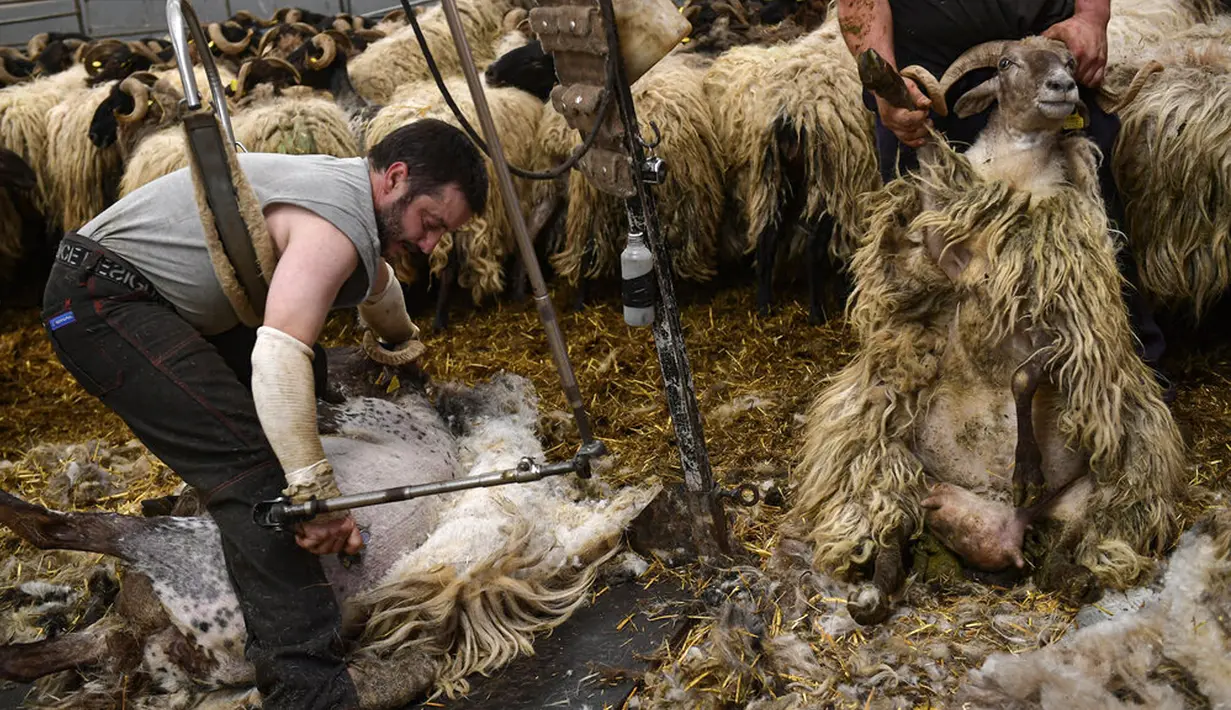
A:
436,154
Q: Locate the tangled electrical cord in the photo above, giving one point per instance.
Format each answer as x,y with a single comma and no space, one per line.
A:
603,107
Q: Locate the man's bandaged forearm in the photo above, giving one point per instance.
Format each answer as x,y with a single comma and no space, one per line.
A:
385,312
284,392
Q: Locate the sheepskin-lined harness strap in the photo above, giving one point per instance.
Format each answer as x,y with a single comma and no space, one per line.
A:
240,248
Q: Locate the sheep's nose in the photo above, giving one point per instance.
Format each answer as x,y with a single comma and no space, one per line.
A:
1065,84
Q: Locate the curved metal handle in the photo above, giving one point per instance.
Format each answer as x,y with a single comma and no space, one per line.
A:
180,15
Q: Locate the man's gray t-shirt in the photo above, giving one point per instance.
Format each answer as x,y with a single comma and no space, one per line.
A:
157,228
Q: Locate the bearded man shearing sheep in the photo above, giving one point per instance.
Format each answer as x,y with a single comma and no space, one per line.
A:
933,33
137,311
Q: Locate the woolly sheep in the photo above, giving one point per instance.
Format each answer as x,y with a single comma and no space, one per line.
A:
295,120
987,285
84,178
23,122
397,60
1172,162
800,146
691,199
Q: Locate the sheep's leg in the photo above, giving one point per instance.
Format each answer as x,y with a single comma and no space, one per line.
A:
118,647
818,236
792,198
1028,460
767,248
540,217
447,279
587,263
52,530
27,662
518,276
869,604
1059,573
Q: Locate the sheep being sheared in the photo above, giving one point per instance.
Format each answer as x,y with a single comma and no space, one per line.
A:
996,384
448,586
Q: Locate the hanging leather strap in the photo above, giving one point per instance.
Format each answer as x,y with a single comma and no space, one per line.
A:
240,248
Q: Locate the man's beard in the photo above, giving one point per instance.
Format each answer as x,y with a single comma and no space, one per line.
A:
389,228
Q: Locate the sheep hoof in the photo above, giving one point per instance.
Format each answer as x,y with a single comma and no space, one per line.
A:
1074,584
868,605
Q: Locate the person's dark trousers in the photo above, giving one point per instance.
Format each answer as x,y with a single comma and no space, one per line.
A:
896,159
127,346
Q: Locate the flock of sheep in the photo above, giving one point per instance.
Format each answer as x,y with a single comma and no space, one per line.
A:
767,143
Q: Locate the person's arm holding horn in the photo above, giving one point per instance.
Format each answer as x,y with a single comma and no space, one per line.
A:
868,24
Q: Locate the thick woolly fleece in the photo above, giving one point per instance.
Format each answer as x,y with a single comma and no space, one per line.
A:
1050,266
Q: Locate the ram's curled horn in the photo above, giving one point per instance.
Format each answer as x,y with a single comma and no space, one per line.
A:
346,23
979,56
150,51
6,78
289,29
929,85
368,34
514,18
238,88
328,44
225,45
135,87
268,66
37,44
95,56
242,16
1112,103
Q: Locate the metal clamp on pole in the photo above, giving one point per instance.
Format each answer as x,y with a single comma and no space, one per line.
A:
180,15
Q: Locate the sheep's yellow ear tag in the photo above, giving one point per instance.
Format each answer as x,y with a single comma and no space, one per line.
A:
234,85
1074,122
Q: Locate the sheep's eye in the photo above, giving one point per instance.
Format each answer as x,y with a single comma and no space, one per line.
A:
1004,63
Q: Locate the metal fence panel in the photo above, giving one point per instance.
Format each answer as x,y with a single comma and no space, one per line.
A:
22,19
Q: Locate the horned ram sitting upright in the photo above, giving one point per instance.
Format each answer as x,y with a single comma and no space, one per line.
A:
448,585
996,389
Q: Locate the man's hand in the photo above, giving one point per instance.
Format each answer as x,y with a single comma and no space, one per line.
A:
327,537
911,127
1085,34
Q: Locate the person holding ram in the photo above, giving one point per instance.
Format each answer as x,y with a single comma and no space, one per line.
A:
932,33
997,387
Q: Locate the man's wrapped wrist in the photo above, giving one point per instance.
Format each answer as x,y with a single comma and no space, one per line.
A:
315,481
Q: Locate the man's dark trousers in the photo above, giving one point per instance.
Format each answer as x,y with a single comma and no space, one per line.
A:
895,159
189,401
